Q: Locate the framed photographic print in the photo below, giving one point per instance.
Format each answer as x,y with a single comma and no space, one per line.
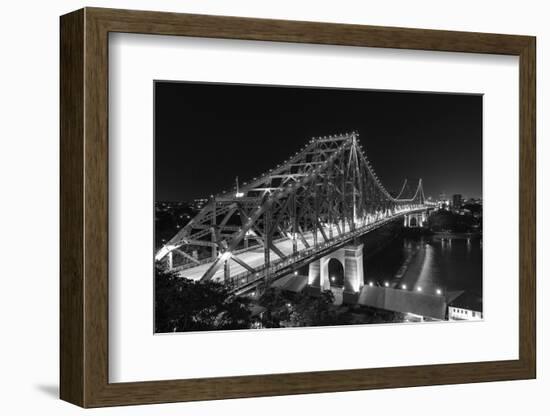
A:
260,207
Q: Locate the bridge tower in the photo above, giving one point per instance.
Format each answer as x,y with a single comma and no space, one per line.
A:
351,259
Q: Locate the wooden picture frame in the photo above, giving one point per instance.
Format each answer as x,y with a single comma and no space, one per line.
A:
84,207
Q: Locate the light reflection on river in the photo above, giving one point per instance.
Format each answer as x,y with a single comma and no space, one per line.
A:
451,263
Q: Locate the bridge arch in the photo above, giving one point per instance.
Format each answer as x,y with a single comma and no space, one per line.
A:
347,262
336,272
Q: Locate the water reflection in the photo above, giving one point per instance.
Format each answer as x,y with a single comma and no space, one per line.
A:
431,264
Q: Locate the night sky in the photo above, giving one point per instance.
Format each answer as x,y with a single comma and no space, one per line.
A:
207,134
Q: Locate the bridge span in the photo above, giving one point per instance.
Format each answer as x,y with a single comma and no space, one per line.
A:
242,277
320,199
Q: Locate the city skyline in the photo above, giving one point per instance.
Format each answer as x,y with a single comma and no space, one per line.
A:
208,134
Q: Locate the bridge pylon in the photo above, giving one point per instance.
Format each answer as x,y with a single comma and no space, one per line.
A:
351,260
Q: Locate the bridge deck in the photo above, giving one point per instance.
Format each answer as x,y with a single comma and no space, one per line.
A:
254,257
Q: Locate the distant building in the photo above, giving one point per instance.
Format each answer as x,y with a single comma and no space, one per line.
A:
474,206
473,201
457,201
466,307
443,202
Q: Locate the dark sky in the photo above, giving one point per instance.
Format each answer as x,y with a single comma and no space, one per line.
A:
207,134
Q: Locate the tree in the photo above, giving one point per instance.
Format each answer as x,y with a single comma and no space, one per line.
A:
186,305
284,309
314,311
277,307
446,220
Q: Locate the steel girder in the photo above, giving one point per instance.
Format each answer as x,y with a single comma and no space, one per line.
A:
327,188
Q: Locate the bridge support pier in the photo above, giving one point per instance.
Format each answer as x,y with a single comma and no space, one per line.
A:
351,259
415,220
354,278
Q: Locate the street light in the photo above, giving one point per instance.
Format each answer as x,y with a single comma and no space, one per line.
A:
438,291
419,288
403,286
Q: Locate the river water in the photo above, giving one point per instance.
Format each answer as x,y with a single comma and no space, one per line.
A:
435,264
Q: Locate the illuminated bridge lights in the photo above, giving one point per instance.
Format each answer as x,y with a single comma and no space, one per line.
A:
323,196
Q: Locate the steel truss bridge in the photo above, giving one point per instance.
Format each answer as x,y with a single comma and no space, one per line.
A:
323,197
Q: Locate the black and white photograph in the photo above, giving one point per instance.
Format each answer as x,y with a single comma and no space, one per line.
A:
271,208
288,206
